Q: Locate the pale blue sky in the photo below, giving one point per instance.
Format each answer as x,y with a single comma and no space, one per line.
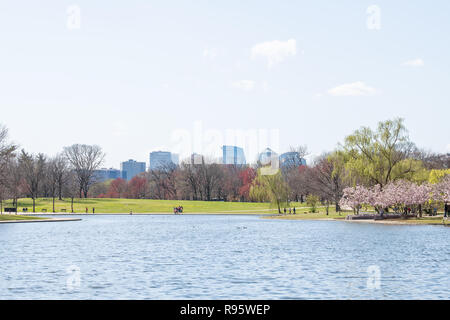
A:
136,71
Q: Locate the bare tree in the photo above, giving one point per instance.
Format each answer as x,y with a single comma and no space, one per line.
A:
14,181
326,181
71,187
33,169
84,159
60,172
56,177
6,152
163,181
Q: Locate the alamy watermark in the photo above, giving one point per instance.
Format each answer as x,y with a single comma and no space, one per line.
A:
73,280
373,21
73,21
199,142
373,277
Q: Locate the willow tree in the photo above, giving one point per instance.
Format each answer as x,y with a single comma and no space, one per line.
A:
270,187
380,156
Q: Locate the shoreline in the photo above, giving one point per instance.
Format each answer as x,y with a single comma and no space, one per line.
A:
439,221
41,220
63,216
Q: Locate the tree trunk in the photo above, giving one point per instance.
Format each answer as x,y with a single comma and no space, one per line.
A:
34,205
53,204
71,205
1,206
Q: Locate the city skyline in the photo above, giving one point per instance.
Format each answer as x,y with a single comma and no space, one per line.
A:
313,71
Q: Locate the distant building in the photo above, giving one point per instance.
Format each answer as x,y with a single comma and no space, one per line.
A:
131,168
161,159
291,159
104,174
197,158
266,156
233,155
175,158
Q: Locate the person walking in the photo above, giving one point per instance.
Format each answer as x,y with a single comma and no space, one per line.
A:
446,210
93,210
294,210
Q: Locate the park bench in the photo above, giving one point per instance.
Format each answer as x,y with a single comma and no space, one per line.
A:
10,209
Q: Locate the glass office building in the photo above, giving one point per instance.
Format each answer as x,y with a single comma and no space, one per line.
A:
104,174
161,159
131,168
233,155
291,159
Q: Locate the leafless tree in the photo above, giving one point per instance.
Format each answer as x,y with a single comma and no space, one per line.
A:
325,181
14,180
162,181
56,176
7,150
84,160
71,187
33,169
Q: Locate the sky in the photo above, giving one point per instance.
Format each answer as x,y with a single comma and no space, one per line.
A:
184,76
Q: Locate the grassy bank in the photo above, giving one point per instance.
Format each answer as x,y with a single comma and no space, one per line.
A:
321,215
145,206
12,217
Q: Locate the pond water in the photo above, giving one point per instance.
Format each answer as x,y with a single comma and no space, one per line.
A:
222,257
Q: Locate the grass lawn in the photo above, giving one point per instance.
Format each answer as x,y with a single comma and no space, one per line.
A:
145,206
9,217
305,214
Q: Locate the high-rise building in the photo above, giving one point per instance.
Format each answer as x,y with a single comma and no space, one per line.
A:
197,159
175,158
104,174
131,168
266,156
233,155
291,159
160,159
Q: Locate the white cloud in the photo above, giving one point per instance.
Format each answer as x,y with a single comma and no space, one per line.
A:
246,85
358,88
275,51
414,63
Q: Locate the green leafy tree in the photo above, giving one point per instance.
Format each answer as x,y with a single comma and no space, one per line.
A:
272,188
381,156
312,201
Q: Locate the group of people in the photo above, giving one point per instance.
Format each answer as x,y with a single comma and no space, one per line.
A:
290,210
178,210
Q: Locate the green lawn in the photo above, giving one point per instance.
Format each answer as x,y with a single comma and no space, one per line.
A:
9,217
145,206
305,214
